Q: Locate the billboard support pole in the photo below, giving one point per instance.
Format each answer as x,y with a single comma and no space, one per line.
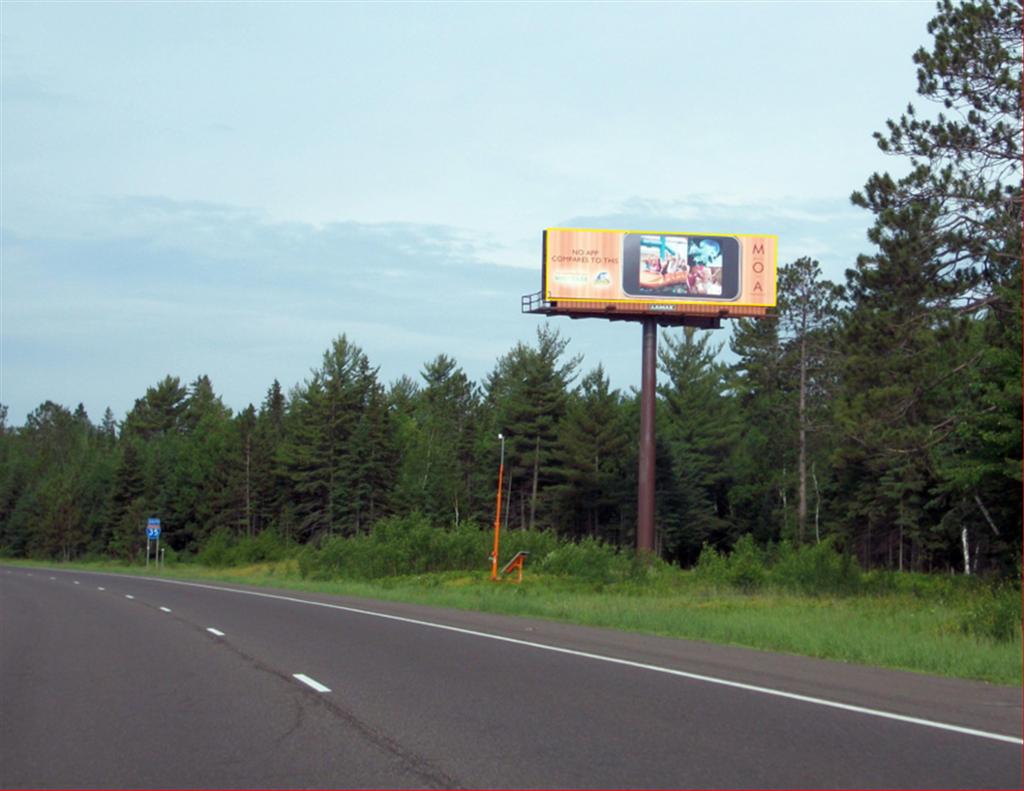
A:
645,492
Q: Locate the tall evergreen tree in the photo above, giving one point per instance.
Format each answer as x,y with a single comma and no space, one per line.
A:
808,315
128,509
438,429
305,460
764,455
108,427
337,453
159,411
268,497
699,430
593,454
527,391
926,305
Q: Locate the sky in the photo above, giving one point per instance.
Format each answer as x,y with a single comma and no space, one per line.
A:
223,188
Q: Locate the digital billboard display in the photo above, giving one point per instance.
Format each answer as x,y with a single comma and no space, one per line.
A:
685,272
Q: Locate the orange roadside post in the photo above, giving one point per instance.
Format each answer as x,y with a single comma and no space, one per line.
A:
497,517
517,564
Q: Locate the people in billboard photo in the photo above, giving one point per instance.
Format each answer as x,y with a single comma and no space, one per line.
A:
664,264
705,258
686,267
674,265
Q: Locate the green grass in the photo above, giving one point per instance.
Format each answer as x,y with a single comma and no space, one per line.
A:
913,623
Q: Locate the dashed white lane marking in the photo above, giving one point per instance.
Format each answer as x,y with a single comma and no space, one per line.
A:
53,578
166,609
128,596
76,582
217,632
310,682
100,588
888,715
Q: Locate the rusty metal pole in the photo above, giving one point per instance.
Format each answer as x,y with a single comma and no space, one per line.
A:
645,492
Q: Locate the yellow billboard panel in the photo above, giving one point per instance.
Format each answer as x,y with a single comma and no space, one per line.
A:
657,267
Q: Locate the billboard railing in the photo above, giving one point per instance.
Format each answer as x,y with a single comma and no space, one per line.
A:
535,303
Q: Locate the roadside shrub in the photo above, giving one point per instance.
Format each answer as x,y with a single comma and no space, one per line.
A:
412,545
539,543
712,568
326,561
307,561
216,551
746,569
993,613
589,560
222,548
469,547
397,546
266,546
815,569
170,555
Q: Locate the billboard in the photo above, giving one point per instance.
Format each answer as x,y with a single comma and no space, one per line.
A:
660,271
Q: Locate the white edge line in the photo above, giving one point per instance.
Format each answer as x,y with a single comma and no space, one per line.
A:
165,609
613,660
311,682
217,632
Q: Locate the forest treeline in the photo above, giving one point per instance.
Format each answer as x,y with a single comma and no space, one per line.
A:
883,412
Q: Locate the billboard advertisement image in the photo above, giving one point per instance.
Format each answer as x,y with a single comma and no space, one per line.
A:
702,272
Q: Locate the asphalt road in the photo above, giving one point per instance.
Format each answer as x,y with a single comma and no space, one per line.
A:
113,681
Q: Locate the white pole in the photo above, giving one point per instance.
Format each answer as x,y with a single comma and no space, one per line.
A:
158,551
147,550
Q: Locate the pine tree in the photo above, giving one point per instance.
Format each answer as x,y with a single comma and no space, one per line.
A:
371,463
808,314
527,391
765,452
192,470
129,508
267,479
698,429
158,412
593,453
304,457
928,309
108,428
438,425
337,453
245,424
